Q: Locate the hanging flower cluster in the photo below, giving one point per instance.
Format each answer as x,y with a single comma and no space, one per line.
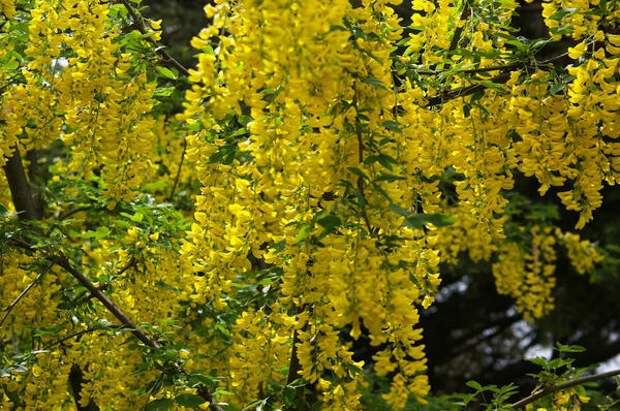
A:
322,153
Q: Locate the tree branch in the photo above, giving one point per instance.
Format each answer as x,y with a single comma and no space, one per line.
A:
132,262
293,366
559,387
76,380
499,79
20,190
63,261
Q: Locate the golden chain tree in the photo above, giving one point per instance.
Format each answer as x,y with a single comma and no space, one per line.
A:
230,250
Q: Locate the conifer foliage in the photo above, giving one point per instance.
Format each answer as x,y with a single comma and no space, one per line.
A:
222,236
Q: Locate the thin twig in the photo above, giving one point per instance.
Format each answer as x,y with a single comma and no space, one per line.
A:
360,181
472,71
77,334
559,387
178,176
132,262
72,212
139,21
21,295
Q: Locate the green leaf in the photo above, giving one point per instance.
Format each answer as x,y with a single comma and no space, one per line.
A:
9,65
100,233
558,362
199,379
387,161
189,400
375,82
508,3
556,88
137,217
269,91
438,220
118,10
159,405
473,384
330,222
400,210
163,91
157,185
541,362
570,348
466,109
562,30
560,14
491,85
393,126
255,405
51,330
166,72
239,132
357,172
303,233
383,159
372,56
